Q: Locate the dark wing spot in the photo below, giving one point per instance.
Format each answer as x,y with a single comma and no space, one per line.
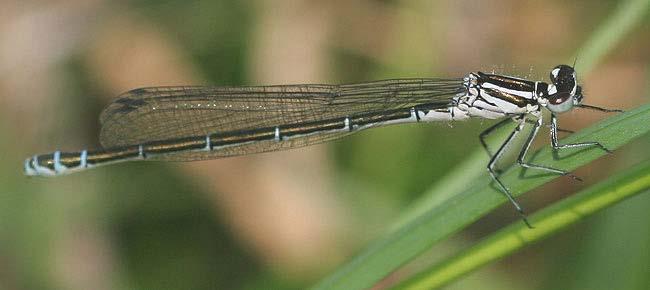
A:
138,92
126,105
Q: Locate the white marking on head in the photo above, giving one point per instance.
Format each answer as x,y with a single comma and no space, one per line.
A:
277,134
555,72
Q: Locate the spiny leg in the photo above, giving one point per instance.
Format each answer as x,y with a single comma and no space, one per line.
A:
558,128
488,131
500,124
495,158
556,145
555,129
526,147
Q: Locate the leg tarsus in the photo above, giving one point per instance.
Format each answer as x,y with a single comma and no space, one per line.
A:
524,218
549,169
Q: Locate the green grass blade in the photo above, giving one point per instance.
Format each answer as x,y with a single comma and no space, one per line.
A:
550,220
451,215
611,32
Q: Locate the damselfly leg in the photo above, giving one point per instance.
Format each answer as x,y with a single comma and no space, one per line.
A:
497,156
489,131
521,159
522,154
556,144
554,129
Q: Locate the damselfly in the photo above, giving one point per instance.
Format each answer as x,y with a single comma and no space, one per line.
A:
196,123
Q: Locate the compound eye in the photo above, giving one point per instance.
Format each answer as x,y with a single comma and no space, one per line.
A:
560,102
561,72
564,78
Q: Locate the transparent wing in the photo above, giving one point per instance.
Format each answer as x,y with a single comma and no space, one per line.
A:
162,113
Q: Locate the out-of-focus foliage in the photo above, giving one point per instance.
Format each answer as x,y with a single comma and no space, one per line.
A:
285,220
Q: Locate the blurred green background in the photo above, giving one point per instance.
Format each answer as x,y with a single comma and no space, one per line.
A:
285,220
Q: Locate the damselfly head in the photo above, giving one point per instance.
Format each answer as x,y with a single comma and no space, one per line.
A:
564,93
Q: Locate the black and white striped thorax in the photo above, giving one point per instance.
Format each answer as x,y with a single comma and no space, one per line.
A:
195,123
495,96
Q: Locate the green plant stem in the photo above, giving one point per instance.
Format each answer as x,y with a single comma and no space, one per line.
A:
611,32
559,216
